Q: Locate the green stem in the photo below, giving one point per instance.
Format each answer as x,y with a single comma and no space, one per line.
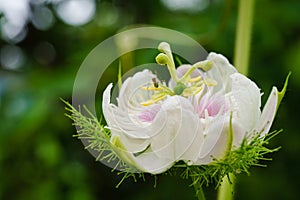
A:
198,190
243,35
241,61
226,189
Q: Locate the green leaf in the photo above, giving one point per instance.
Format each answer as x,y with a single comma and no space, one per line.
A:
120,76
282,92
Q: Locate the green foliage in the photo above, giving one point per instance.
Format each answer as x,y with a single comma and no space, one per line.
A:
90,129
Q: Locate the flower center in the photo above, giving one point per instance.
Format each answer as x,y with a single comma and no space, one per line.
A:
185,86
211,105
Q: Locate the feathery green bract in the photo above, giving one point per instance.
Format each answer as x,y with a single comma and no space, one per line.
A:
251,151
90,129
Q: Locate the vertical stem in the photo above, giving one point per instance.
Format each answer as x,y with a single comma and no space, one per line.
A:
241,61
243,35
226,189
198,190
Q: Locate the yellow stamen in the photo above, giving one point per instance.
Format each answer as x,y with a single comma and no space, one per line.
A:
152,101
151,88
198,89
191,91
210,82
198,78
158,95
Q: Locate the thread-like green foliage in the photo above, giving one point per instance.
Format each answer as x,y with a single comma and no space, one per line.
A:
250,153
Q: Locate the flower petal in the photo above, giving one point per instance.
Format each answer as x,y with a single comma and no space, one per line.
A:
268,113
180,129
151,163
245,101
131,95
146,162
106,108
220,71
215,139
117,120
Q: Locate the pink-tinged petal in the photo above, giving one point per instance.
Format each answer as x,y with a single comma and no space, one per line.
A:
148,114
268,113
211,104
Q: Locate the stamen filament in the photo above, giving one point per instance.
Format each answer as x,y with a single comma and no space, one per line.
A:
168,59
152,101
198,78
151,88
205,65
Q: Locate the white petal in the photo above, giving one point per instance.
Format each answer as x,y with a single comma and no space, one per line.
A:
245,101
131,94
147,161
180,129
193,152
116,120
215,139
151,163
220,71
268,113
106,108
131,145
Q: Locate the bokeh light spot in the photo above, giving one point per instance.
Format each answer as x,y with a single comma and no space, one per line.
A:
76,12
186,5
42,17
11,57
44,53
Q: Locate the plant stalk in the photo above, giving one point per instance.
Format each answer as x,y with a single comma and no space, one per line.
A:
198,190
241,62
243,35
226,190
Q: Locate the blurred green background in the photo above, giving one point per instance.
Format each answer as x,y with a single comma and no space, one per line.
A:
42,46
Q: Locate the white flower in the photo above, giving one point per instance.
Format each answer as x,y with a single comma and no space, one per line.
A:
207,109
151,138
